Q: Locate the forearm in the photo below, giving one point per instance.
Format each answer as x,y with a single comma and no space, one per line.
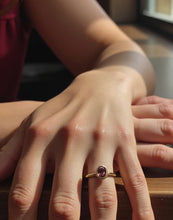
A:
80,31
129,56
12,114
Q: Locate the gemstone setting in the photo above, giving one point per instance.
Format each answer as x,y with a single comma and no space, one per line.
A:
102,172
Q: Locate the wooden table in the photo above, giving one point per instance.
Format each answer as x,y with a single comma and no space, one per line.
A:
160,184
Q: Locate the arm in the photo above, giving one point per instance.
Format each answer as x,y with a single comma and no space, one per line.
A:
74,38
73,131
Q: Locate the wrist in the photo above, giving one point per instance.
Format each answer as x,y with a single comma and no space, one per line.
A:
138,85
129,54
128,79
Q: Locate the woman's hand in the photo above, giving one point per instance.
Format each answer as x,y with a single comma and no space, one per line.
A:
153,112
73,134
148,129
153,129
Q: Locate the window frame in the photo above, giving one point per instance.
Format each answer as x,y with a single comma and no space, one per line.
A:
153,22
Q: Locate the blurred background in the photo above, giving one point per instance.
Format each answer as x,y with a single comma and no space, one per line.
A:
148,22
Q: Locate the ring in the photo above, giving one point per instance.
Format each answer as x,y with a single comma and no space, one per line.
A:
101,173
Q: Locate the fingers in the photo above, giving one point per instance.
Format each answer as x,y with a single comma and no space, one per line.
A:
66,190
131,172
102,192
135,185
103,200
155,155
154,130
161,110
10,153
27,182
29,175
154,100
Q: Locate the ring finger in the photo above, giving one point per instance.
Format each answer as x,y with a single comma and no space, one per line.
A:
102,192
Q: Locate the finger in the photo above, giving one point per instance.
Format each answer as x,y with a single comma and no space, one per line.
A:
131,171
161,110
154,130
103,199
102,192
27,183
154,100
135,185
74,139
155,155
10,153
66,190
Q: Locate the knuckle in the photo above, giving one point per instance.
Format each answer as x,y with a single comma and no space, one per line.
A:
101,133
125,135
152,99
105,200
137,182
165,110
73,130
64,207
167,127
39,130
159,153
21,198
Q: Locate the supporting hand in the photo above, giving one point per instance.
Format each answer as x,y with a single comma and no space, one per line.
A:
154,129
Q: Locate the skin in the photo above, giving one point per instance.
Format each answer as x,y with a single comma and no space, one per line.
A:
57,136
149,111
145,115
41,129
153,129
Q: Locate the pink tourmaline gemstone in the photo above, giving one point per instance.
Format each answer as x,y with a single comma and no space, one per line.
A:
101,171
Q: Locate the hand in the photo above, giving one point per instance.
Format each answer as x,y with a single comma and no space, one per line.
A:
153,129
151,152
72,134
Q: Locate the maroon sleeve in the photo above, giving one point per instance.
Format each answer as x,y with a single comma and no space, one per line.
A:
13,44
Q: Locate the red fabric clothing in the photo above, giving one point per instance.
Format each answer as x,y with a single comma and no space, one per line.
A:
13,44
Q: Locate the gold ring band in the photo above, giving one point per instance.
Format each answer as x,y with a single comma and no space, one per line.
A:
95,175
101,173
